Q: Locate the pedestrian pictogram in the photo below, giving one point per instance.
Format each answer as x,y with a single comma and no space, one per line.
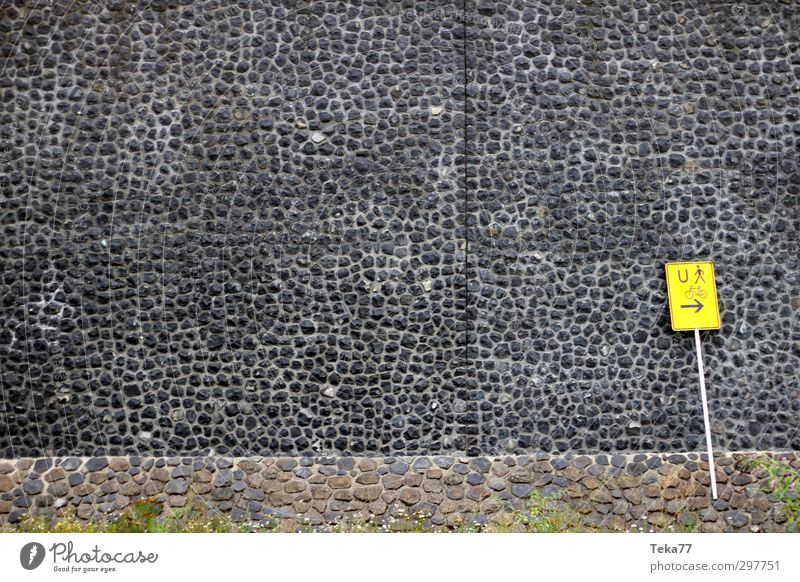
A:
692,296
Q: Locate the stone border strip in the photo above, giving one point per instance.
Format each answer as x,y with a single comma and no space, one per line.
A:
613,492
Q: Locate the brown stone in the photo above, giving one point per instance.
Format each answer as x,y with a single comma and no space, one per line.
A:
453,479
317,479
670,493
456,492
339,482
433,473
97,478
652,490
434,498
55,474
591,482
572,474
109,487
389,496
761,502
500,469
159,474
633,495
177,500
377,507
283,477
391,481
202,488
85,511
601,496
677,506
367,478
410,496
738,500
620,507
83,489
452,506
367,465
254,480
131,488
301,506
478,493
6,484
343,495
521,475
412,479
119,464
320,492
369,493
6,468
617,522
152,487
542,467
203,476
659,519
249,466
691,488
627,481
432,486
279,499
295,486
491,505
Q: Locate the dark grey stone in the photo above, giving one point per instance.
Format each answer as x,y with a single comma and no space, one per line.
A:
475,479
33,486
398,468
96,464
522,490
177,487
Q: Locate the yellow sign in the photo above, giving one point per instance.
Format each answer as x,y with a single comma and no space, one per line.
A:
692,295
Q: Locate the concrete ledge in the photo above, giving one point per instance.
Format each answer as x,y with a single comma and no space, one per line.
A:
616,492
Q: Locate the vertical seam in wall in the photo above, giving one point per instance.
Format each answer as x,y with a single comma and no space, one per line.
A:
466,238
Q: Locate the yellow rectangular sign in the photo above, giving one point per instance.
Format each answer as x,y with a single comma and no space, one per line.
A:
692,294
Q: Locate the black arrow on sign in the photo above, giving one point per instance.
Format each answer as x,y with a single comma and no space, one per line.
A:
697,306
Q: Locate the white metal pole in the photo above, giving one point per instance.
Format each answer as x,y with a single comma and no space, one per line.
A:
702,373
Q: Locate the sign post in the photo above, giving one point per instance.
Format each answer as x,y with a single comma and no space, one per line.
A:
692,293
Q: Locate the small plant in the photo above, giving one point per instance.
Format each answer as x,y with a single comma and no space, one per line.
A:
541,514
783,481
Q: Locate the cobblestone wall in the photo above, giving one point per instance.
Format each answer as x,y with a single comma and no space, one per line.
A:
624,492
370,228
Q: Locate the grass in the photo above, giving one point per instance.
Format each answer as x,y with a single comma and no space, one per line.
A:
539,514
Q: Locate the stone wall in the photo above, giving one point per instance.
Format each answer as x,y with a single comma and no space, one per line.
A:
372,227
617,492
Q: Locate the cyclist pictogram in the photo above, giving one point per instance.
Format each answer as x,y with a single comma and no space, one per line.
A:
695,292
